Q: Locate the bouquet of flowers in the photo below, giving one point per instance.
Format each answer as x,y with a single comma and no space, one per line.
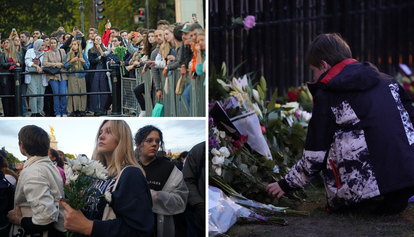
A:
120,51
85,174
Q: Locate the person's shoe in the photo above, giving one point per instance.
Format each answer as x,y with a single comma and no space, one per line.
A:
33,115
72,114
58,115
82,114
38,115
26,115
101,112
65,115
142,114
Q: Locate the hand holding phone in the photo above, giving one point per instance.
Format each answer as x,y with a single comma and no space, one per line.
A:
76,28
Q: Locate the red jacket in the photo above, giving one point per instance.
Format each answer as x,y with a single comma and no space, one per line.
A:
105,37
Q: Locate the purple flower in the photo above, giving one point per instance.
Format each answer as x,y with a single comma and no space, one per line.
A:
213,142
249,22
211,122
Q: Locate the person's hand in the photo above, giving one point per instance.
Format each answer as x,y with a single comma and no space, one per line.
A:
183,71
197,47
159,94
59,65
143,69
165,72
15,216
112,61
39,69
274,190
73,32
108,25
79,32
75,221
153,194
121,63
136,63
129,68
171,57
18,64
81,60
193,75
152,63
73,60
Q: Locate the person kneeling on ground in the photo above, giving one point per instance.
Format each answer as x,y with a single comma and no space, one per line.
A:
357,117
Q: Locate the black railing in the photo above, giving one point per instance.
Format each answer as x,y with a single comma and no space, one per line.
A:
378,31
115,80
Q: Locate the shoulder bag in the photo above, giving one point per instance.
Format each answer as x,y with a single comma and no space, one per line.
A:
180,86
53,70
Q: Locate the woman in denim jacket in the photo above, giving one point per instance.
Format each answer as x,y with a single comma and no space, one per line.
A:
76,61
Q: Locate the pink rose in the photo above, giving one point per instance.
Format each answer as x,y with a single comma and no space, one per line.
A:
249,22
263,129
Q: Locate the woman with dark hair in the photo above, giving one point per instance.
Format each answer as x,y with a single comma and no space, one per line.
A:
55,58
149,45
10,175
97,59
23,86
9,60
168,189
55,158
126,189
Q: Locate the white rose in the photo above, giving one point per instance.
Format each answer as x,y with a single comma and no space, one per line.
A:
218,160
222,134
215,152
218,171
224,152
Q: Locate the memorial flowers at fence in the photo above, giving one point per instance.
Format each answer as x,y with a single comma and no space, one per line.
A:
85,173
279,127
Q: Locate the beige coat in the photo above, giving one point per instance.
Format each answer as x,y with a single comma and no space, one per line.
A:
50,61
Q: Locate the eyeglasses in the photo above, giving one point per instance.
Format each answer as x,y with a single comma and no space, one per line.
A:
152,140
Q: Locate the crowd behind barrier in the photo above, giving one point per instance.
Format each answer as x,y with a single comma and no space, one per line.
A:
173,103
123,95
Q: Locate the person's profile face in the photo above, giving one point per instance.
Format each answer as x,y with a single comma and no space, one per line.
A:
23,38
193,35
106,141
316,72
67,37
201,42
16,41
159,36
115,42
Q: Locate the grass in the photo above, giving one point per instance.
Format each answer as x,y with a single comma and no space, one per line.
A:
322,224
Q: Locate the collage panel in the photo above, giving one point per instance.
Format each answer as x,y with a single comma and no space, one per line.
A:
310,118
127,177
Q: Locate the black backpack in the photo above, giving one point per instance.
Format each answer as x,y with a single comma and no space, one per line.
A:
6,203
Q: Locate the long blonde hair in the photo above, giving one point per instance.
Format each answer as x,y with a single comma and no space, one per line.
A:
77,66
123,154
12,52
20,46
166,46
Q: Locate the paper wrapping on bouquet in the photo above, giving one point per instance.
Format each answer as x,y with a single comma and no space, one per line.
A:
248,125
221,211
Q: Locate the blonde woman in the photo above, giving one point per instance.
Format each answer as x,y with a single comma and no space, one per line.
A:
131,201
77,62
55,58
9,60
23,86
167,51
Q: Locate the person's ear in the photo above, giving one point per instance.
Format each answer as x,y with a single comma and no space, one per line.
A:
325,66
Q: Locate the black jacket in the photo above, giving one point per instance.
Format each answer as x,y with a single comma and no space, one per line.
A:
194,174
360,135
5,65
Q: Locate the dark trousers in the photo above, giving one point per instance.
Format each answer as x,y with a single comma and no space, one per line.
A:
8,103
48,102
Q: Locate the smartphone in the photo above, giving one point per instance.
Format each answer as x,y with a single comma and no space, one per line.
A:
76,28
14,29
194,17
107,21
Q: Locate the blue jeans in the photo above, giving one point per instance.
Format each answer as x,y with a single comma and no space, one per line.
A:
99,83
59,102
23,88
186,96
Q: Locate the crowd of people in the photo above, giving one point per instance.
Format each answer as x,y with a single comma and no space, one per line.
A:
169,47
150,195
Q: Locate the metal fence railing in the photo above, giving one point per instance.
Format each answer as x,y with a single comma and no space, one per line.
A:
123,96
174,105
378,31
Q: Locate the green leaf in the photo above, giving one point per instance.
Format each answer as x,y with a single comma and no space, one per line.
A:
273,101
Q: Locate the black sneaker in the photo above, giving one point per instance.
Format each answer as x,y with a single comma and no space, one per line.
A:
82,114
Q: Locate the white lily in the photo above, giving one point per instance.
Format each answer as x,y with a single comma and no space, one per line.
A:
224,152
224,85
256,96
218,160
257,109
241,83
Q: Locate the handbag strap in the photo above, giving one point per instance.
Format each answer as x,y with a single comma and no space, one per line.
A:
61,59
116,182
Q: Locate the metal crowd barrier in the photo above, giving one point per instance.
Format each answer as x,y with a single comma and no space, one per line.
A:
174,105
116,89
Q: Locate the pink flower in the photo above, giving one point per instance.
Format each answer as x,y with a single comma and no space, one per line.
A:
263,129
249,22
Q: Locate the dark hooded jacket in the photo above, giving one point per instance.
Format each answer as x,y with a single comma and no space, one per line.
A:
360,135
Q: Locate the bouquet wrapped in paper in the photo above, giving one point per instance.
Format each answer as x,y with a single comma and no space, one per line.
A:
120,51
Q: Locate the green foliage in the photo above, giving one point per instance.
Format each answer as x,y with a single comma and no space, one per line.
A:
48,15
12,159
70,156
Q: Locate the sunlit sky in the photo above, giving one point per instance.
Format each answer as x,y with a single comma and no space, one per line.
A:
77,136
